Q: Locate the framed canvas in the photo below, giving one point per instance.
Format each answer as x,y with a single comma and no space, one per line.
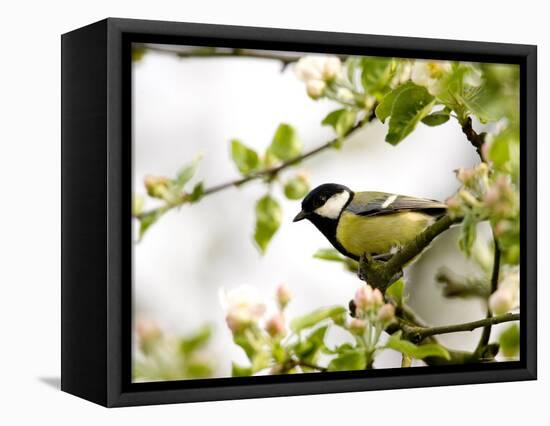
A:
255,212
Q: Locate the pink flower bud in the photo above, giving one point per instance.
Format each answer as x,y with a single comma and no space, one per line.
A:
363,298
377,297
465,175
501,227
491,197
386,313
357,325
275,326
283,296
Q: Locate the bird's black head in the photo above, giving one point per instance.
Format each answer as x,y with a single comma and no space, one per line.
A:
325,202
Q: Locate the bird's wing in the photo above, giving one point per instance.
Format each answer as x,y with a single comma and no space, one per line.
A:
375,204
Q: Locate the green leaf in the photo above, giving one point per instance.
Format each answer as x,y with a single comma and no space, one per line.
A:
354,359
436,119
245,158
240,371
296,188
260,361
396,292
278,352
195,341
409,107
245,341
198,370
416,351
509,341
341,120
333,256
384,108
286,144
147,220
137,204
468,233
197,193
376,75
313,318
268,220
329,254
308,349
185,174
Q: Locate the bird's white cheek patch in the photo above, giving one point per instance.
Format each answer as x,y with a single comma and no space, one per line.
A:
334,205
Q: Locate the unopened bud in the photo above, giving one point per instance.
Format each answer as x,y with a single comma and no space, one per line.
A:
156,186
331,68
465,175
377,297
386,313
275,326
315,88
454,205
363,299
501,227
283,296
357,325
491,197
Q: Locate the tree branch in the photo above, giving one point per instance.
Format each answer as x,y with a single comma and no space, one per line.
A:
381,274
455,285
476,139
268,173
417,334
484,339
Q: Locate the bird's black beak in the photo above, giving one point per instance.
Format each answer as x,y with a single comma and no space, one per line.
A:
300,216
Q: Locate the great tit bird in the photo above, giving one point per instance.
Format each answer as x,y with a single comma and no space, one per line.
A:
373,223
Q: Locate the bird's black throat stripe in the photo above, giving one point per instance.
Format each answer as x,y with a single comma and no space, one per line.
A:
328,229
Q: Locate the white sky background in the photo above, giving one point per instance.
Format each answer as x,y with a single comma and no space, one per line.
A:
183,107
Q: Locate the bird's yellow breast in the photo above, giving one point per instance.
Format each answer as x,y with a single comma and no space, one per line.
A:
379,234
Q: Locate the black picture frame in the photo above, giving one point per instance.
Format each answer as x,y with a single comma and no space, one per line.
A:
96,211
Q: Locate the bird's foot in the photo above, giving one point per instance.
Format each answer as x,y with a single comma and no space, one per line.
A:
375,273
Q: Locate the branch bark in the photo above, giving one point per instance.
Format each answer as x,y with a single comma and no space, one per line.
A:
268,173
381,274
484,339
417,334
476,139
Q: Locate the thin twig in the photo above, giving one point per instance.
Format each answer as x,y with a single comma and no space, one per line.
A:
268,173
484,339
476,139
419,333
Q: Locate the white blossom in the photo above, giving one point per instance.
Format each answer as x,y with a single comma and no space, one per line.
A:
315,88
315,71
242,305
429,73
